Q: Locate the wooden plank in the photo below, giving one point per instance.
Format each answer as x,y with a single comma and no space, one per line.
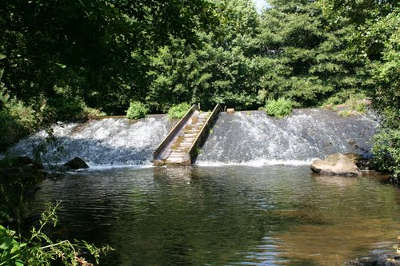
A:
182,150
173,133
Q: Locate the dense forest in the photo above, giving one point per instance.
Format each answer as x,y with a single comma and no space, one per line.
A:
65,60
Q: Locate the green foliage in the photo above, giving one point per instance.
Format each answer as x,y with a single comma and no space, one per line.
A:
386,151
16,192
342,97
10,248
92,112
44,50
40,249
357,105
16,120
347,104
279,108
308,55
216,69
163,53
61,108
387,101
178,111
386,73
136,110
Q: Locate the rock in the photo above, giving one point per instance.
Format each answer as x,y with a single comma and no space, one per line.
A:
76,163
159,162
337,164
377,260
230,110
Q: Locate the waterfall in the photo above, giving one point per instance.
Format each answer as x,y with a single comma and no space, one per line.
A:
254,138
251,138
102,143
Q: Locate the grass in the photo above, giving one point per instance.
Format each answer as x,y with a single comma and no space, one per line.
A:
347,104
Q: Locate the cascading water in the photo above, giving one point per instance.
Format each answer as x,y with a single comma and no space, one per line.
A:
104,142
251,138
254,138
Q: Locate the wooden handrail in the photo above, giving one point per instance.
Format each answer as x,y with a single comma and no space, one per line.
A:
174,131
201,136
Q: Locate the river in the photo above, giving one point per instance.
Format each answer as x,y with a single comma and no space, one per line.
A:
227,215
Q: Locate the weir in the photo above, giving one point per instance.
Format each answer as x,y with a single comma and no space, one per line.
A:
180,146
247,137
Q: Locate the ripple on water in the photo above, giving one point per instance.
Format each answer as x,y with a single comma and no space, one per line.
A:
226,215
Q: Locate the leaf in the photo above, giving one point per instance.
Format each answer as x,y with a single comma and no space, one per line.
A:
14,249
5,244
61,65
2,56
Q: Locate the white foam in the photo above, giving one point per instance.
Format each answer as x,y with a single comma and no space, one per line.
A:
257,163
99,167
117,166
252,163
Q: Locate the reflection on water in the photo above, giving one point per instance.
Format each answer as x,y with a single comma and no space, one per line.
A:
339,181
226,215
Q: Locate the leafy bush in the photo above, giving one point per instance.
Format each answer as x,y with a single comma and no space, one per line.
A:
178,111
358,105
39,249
279,108
16,120
347,103
386,151
136,110
92,112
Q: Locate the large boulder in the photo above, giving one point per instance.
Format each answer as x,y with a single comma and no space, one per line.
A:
76,163
337,164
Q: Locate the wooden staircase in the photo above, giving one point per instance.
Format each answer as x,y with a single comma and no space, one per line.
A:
180,146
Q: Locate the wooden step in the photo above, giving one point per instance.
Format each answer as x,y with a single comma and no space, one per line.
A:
177,150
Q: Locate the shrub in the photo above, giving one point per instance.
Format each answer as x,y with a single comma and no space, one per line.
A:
16,120
39,249
279,108
356,104
136,110
178,111
347,104
386,151
92,112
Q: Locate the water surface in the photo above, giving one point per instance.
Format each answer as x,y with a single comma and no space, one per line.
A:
228,215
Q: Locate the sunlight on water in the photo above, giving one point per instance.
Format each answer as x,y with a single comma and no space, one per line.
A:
226,215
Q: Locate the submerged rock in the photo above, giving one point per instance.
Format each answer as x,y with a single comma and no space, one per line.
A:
76,163
379,260
337,164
